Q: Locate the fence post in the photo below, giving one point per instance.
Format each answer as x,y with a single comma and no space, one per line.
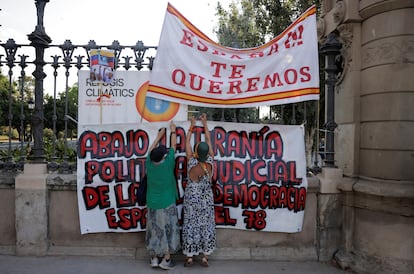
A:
31,194
331,48
39,40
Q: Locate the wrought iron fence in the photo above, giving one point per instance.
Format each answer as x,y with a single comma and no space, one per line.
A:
59,72
52,64
63,63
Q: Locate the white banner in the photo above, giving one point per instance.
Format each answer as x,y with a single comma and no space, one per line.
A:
123,100
109,106
259,181
190,68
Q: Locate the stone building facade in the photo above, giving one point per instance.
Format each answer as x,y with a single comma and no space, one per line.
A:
374,144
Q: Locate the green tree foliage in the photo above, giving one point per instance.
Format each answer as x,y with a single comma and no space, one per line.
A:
271,17
17,100
237,29
72,106
247,24
4,100
236,26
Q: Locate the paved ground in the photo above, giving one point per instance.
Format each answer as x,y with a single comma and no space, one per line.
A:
103,265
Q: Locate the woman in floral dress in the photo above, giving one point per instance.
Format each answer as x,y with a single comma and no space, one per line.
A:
199,227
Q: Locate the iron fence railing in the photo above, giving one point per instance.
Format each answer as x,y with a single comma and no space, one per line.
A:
62,63
60,69
52,64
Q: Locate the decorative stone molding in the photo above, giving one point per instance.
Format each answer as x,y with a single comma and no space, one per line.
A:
325,6
335,21
321,27
380,188
330,17
371,8
339,12
345,37
388,51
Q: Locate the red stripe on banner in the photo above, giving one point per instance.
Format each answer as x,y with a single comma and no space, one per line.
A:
195,30
282,55
254,99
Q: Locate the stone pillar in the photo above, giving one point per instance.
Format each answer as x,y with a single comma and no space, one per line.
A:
329,218
386,165
373,103
387,92
31,211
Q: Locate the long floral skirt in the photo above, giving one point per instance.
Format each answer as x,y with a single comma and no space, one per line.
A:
199,226
163,231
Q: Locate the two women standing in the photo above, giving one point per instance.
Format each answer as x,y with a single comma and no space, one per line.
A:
199,228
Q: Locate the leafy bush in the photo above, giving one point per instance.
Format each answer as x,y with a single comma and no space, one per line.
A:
59,148
52,153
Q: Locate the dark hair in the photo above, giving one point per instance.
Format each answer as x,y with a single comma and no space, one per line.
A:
202,150
157,153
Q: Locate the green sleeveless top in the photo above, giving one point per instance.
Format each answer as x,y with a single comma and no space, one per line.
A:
161,182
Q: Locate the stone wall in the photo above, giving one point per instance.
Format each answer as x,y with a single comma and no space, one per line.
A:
31,198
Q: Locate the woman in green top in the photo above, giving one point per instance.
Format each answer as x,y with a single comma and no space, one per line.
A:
162,231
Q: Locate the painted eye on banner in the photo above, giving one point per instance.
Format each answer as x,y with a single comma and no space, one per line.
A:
152,109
